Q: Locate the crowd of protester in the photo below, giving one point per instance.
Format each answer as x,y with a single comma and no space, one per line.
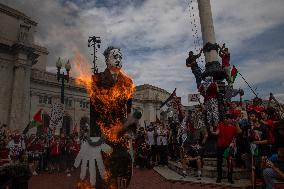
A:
249,135
43,152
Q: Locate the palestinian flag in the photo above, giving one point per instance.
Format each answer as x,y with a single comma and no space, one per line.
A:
234,73
165,105
37,121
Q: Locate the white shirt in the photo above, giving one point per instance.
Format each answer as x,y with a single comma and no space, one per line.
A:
162,138
150,138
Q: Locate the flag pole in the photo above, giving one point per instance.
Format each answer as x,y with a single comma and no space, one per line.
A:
247,84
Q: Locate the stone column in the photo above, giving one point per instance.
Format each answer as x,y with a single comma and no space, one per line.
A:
213,67
207,28
20,103
149,112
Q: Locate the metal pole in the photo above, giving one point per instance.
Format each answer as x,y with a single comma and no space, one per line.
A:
248,84
94,61
95,43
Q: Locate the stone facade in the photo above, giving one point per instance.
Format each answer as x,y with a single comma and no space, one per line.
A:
147,99
26,86
46,90
17,56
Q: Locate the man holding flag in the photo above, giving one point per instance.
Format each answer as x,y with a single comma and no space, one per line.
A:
173,102
36,121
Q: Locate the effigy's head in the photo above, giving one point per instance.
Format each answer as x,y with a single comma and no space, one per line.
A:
113,58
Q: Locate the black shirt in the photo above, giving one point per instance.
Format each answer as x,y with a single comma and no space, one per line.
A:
191,60
261,133
279,139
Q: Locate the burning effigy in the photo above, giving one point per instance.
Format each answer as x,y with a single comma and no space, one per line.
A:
107,155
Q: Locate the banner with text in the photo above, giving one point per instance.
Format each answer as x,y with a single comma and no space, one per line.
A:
193,97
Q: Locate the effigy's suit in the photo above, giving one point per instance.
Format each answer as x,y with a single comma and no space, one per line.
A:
111,101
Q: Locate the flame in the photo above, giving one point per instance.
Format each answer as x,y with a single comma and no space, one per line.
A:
109,102
85,185
81,71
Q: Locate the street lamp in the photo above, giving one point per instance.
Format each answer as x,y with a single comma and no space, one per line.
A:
94,42
62,76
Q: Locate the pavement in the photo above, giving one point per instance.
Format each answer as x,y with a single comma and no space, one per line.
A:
171,175
157,178
142,179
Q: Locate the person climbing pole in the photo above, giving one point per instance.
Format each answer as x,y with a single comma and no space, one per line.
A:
192,63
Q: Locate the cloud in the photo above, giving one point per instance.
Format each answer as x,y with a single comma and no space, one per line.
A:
258,72
60,26
156,35
237,21
279,97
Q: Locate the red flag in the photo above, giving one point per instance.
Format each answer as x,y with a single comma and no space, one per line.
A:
37,117
37,120
234,73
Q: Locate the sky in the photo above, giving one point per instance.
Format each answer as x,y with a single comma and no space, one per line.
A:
156,35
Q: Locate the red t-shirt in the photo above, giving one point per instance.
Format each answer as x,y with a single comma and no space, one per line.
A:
271,128
226,134
36,147
210,93
75,148
55,149
256,108
235,112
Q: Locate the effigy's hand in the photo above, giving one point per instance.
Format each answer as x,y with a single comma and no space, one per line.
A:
91,154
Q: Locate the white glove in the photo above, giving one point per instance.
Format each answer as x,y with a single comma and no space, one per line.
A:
91,154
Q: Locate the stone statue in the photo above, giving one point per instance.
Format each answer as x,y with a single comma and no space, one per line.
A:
111,99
